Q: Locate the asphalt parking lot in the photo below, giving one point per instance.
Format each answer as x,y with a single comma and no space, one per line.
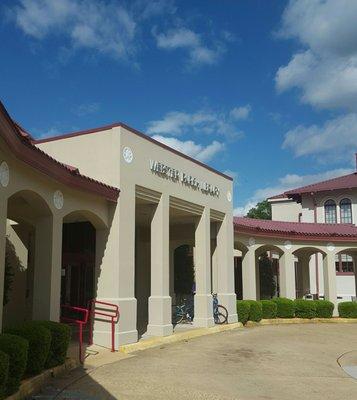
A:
267,362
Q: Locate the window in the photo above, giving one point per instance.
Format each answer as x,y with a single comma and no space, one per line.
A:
344,264
346,211
330,212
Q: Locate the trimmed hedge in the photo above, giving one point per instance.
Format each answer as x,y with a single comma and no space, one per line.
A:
60,338
269,309
16,348
4,372
39,339
243,307
305,308
255,311
347,309
324,308
285,307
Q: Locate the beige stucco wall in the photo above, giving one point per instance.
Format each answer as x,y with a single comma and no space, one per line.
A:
285,210
35,191
100,155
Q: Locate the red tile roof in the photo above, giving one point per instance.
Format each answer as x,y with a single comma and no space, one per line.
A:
295,230
22,145
340,183
278,196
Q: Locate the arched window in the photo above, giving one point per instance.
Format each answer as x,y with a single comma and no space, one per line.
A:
346,211
330,212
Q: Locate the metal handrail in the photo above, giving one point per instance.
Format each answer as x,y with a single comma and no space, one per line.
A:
113,314
80,322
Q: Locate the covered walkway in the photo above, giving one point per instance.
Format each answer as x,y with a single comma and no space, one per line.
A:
290,246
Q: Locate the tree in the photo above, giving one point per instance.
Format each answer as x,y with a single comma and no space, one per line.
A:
267,281
261,211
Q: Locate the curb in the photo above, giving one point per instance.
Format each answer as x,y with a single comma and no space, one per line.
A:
292,321
35,383
177,337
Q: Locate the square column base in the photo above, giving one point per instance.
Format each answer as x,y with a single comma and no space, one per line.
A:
125,329
229,300
160,316
203,311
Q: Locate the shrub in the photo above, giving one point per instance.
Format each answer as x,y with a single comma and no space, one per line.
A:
305,308
16,348
60,338
347,309
4,371
39,339
243,307
255,311
285,307
324,308
269,309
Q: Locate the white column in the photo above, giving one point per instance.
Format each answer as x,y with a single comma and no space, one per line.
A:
225,268
48,264
3,216
172,273
287,275
257,277
203,298
330,289
354,257
249,275
160,301
305,268
115,254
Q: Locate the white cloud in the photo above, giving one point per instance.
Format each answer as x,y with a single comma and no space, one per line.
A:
204,121
335,140
192,149
114,28
184,38
325,70
239,113
104,27
287,182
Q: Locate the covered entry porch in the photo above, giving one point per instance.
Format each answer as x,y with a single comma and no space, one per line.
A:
183,252
290,250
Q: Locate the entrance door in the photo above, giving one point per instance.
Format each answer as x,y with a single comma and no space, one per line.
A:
78,264
77,283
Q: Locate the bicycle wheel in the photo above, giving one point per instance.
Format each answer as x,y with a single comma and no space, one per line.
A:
221,316
178,316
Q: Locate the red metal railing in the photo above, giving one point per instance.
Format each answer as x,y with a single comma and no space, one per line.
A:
104,310
80,322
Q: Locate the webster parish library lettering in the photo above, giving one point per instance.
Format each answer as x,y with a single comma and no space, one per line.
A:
178,176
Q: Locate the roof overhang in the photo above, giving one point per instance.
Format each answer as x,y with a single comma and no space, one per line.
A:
21,145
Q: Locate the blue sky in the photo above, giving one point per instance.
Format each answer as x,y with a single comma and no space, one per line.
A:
264,90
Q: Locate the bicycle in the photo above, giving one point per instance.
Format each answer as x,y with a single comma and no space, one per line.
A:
183,313
220,313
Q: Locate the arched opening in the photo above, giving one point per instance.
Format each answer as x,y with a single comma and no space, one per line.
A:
309,273
330,212
28,233
78,275
267,271
239,250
